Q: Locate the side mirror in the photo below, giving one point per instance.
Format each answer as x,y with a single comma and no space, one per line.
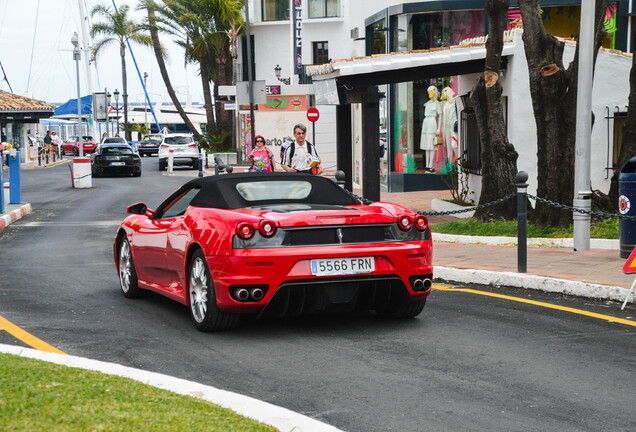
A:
139,208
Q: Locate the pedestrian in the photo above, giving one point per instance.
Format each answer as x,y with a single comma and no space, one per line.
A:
301,154
261,157
55,141
47,142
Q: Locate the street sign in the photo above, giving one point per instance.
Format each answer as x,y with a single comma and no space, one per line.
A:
313,114
630,264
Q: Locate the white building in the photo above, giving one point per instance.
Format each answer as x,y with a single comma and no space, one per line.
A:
403,48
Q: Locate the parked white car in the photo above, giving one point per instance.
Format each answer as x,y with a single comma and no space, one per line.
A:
186,151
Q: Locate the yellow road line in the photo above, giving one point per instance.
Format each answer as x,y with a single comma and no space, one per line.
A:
27,338
537,303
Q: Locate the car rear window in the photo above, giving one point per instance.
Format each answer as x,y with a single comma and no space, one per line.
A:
117,151
114,140
179,140
274,190
87,138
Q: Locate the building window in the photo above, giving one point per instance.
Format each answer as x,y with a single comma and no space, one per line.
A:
275,10
470,144
321,52
324,8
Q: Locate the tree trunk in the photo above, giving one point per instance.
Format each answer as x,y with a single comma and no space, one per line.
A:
207,95
628,146
499,158
122,53
156,44
553,92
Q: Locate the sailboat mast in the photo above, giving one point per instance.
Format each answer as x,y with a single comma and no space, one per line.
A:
87,58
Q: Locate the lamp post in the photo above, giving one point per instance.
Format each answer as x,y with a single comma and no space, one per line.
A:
145,103
76,57
277,70
116,93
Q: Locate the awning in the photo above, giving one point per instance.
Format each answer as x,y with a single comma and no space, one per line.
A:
70,108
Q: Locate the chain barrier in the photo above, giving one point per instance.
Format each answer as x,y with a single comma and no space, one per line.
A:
601,215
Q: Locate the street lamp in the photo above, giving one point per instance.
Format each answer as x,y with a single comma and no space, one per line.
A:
277,70
76,57
145,101
116,93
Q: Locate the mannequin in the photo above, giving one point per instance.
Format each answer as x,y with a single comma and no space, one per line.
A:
432,111
449,122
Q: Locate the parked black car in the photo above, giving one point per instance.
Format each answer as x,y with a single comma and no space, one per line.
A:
115,158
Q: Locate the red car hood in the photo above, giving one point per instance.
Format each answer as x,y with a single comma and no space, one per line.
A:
359,214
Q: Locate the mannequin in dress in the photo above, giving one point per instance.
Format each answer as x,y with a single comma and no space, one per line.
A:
449,121
432,111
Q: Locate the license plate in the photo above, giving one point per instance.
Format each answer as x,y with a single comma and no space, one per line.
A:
342,266
118,163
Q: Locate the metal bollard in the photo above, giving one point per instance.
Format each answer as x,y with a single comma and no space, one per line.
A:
219,166
200,164
170,162
340,178
522,222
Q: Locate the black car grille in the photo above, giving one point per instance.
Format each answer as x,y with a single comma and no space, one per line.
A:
331,235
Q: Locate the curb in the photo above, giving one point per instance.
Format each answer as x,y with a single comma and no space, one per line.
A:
281,418
535,242
12,216
542,283
33,165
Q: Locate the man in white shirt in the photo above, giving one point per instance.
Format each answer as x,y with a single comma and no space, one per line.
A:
295,158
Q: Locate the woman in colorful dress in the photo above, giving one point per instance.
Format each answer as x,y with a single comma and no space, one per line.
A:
261,157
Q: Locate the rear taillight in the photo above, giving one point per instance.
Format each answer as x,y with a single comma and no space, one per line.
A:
267,228
245,230
405,222
420,222
192,145
164,146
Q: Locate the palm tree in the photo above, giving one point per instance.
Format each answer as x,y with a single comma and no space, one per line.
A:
192,23
118,27
150,7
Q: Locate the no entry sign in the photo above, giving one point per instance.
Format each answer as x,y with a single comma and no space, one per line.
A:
313,114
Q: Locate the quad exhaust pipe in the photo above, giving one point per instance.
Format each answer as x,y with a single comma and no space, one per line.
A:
422,284
246,295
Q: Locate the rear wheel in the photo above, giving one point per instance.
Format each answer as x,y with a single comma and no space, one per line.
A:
162,165
127,273
203,308
136,173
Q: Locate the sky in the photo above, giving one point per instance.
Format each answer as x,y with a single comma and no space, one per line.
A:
36,54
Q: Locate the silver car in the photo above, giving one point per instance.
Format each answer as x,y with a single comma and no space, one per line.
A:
184,148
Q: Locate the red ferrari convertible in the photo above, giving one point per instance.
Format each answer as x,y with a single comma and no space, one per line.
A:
275,244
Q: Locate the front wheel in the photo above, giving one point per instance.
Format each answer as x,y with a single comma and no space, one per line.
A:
127,273
204,311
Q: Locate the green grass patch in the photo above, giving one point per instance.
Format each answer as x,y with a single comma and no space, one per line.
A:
607,228
39,396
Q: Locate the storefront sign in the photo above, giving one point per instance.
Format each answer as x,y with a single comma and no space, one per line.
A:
272,90
298,39
285,103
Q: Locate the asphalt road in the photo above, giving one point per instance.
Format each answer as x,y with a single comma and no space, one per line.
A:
468,362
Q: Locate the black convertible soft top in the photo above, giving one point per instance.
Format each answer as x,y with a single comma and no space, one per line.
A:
220,191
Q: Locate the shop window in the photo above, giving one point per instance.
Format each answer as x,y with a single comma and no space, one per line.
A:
324,8
432,30
321,52
376,38
275,10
